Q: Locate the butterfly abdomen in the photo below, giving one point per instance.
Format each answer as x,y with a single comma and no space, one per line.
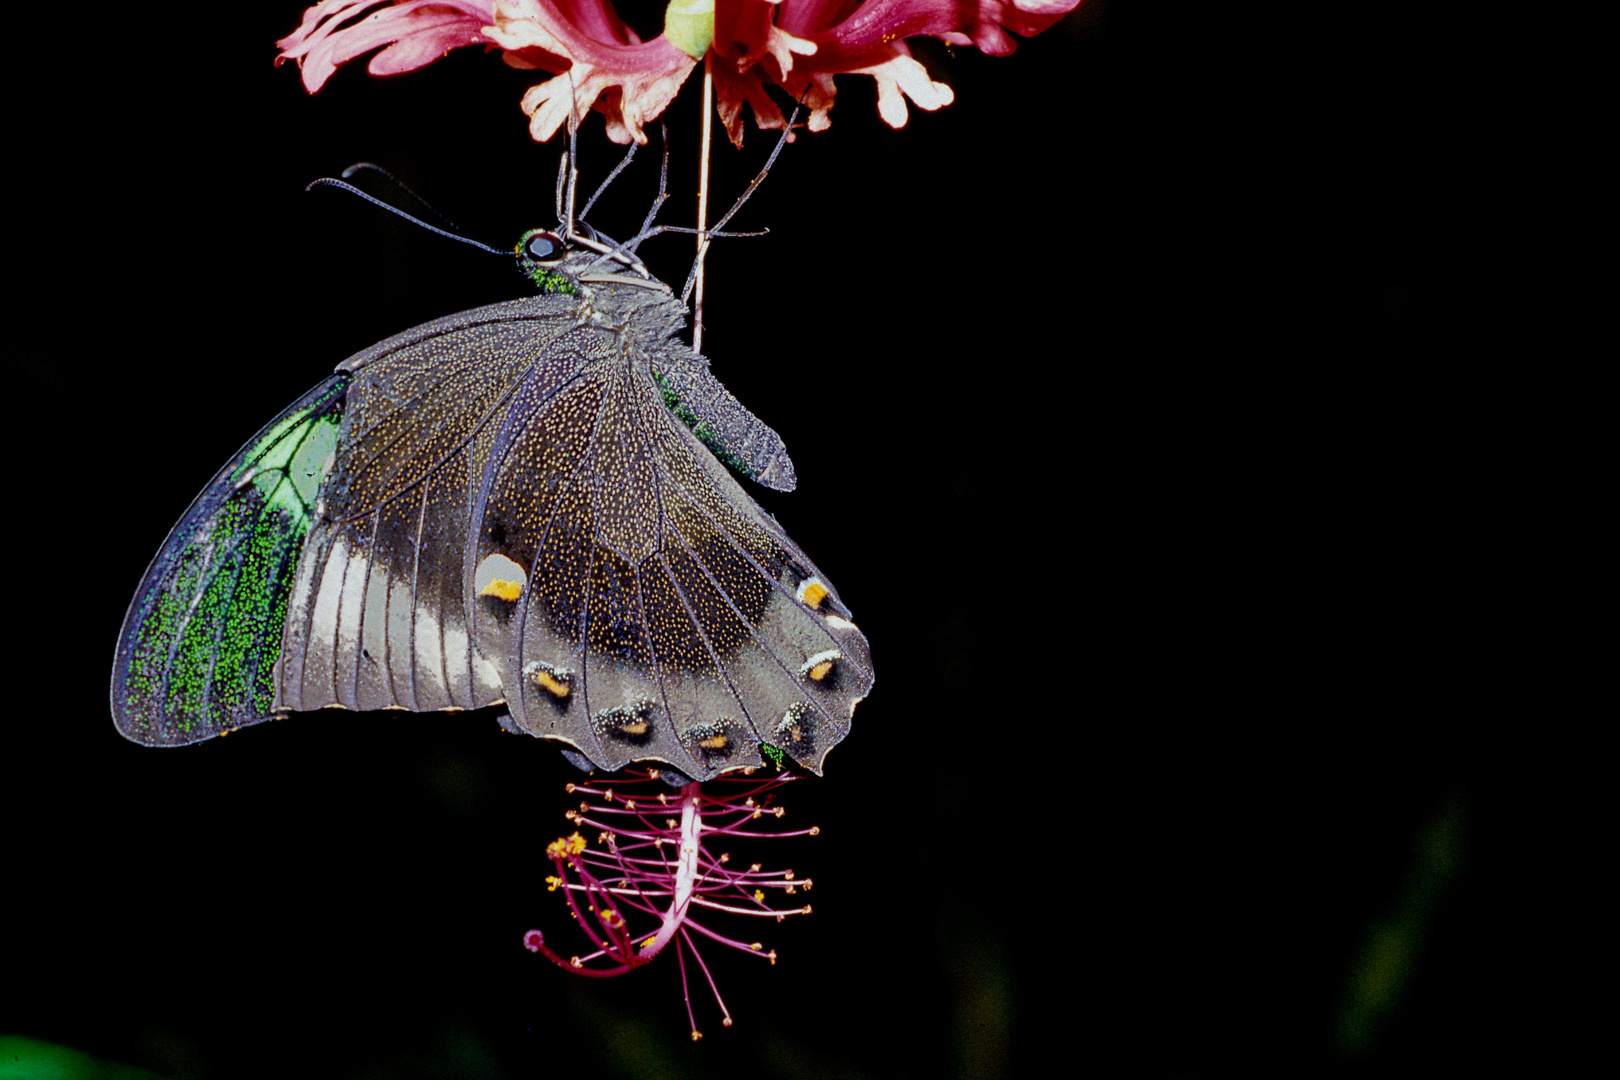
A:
203,635
730,432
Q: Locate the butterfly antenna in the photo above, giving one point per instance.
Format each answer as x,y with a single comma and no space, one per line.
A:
327,181
753,185
400,185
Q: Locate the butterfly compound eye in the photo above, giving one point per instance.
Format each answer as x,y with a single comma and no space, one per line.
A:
542,246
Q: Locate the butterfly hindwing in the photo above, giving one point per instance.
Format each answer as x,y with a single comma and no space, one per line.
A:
200,640
380,617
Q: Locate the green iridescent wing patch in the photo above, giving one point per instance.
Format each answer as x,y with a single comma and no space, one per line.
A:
200,641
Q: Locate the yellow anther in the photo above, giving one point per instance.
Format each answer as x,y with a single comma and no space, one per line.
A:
725,857
756,946
815,830
759,895
780,810
561,848
607,796
569,788
629,804
574,960
772,956
754,869
697,1036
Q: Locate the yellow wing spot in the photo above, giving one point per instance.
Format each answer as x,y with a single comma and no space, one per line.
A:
715,742
501,589
500,577
819,666
556,681
638,726
813,593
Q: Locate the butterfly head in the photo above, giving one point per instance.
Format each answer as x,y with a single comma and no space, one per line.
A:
559,263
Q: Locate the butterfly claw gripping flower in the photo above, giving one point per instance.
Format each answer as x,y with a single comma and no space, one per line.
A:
600,63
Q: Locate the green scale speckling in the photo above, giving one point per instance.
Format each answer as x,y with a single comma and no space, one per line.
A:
204,652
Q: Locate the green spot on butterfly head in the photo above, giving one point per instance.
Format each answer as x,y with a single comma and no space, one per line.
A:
774,753
539,252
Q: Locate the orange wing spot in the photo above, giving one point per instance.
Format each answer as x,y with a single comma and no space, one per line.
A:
558,688
638,726
716,742
814,593
820,671
501,589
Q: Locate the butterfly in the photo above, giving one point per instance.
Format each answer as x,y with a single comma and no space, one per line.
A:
525,505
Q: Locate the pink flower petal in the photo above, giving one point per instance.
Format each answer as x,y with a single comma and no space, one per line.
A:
414,33
601,64
630,84
733,90
865,38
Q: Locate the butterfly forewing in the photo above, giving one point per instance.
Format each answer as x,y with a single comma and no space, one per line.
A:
201,639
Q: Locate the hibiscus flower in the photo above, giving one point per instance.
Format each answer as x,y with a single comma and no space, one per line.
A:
598,62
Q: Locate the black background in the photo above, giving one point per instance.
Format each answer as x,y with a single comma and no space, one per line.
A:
1124,398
